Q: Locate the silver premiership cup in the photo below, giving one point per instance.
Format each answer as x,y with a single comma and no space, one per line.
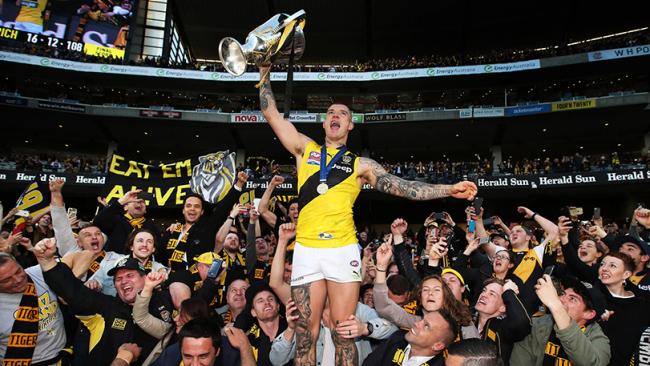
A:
271,42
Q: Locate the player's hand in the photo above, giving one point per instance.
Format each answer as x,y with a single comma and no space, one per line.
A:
464,190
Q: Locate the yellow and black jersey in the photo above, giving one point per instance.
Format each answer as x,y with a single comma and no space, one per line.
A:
31,11
325,220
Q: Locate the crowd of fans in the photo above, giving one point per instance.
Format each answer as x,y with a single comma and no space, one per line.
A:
98,94
121,290
56,163
391,63
440,171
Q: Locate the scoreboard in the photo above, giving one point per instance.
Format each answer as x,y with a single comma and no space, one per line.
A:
8,34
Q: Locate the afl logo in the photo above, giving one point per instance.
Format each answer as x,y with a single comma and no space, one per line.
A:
354,263
346,159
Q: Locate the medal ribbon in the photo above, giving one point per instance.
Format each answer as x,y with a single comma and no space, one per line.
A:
326,168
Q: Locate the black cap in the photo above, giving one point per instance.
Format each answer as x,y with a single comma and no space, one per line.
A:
500,233
592,296
127,263
636,240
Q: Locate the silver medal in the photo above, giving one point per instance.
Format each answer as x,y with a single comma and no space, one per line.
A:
322,188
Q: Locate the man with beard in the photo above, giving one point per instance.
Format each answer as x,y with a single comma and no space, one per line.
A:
326,255
108,319
184,242
120,217
258,250
264,306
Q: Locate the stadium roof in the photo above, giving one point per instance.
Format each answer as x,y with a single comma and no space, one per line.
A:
339,30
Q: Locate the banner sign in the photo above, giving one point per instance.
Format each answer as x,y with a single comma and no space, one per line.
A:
356,118
487,112
61,106
528,109
387,117
13,100
71,179
160,114
258,117
633,51
277,76
573,105
564,180
169,183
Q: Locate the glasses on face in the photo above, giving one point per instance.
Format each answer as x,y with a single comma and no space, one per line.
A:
502,257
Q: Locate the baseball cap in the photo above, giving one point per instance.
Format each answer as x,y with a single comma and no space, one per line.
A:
207,258
455,273
592,297
627,238
127,263
500,233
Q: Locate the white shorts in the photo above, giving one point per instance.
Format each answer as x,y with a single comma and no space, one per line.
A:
342,264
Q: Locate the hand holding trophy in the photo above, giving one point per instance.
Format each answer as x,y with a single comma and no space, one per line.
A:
271,42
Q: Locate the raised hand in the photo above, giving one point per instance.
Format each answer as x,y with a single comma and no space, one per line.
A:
399,227
464,190
287,231
56,185
276,180
130,196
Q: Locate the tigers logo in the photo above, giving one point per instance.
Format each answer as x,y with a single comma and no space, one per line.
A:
213,176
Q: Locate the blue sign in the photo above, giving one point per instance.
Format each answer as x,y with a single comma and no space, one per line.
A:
528,109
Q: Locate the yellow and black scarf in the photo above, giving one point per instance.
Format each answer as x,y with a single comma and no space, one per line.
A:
136,223
22,340
94,266
554,354
178,247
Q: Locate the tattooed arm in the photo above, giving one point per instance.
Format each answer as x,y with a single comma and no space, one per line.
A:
286,132
375,175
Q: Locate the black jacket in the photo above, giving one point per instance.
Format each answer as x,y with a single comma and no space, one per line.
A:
112,222
391,353
108,321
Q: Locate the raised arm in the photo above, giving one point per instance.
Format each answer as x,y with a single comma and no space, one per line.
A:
375,175
546,224
263,209
276,281
291,139
225,228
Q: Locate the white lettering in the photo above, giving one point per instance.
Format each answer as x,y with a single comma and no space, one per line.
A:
546,181
25,177
625,177
581,179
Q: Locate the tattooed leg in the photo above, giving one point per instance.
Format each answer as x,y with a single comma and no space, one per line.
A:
310,300
346,350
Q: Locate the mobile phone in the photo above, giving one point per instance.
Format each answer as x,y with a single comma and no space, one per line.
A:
596,213
484,240
215,268
471,226
72,212
575,211
478,202
549,270
22,213
488,222
565,211
145,196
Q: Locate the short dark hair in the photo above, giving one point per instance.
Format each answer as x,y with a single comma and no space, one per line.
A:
195,196
451,323
131,238
398,284
6,258
195,307
476,352
628,262
201,328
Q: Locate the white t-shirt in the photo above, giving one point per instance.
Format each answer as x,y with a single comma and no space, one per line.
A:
51,333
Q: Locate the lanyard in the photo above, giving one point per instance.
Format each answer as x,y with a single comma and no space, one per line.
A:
325,169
